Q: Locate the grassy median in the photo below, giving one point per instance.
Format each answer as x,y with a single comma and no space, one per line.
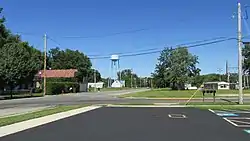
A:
49,111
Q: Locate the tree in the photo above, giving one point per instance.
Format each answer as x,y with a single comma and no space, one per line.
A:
70,59
126,76
175,68
19,61
18,64
246,55
91,76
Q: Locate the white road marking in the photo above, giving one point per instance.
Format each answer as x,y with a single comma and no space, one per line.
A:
231,122
238,121
230,118
177,116
211,110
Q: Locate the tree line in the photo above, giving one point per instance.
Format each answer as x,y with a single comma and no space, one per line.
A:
20,61
177,67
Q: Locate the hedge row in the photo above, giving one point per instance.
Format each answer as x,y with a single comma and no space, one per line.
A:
53,88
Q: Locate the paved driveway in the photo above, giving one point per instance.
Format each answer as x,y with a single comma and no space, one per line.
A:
136,124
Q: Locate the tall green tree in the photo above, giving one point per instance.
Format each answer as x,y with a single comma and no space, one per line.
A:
175,68
19,61
126,75
70,59
91,76
18,64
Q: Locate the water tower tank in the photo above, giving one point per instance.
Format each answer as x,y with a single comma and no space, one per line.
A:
114,58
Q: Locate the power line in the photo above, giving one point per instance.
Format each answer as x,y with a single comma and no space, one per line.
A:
107,35
54,41
150,49
157,51
29,34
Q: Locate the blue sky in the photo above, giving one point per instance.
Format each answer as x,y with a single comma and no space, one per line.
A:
167,22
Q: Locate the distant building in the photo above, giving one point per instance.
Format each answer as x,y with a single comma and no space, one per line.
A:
61,73
217,85
117,84
190,87
67,73
96,85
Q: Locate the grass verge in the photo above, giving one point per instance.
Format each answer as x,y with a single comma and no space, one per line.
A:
222,107
166,93
26,95
49,111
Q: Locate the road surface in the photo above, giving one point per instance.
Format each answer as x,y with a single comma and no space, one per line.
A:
108,97
136,124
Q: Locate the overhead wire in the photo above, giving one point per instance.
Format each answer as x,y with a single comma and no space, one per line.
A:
178,46
107,35
151,49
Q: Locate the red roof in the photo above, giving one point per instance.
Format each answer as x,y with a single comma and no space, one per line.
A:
69,73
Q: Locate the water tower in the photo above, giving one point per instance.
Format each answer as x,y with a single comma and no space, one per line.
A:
115,66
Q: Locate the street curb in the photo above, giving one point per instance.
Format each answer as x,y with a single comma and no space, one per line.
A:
20,126
142,106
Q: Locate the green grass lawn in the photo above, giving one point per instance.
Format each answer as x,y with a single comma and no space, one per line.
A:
49,111
166,93
222,107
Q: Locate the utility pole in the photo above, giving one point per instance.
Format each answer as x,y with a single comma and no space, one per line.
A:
240,54
151,83
131,79
140,81
44,65
220,70
94,75
95,79
247,83
135,82
227,72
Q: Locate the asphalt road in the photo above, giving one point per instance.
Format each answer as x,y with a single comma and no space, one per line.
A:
136,124
90,98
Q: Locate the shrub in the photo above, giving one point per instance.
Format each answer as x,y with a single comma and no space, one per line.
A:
37,90
54,88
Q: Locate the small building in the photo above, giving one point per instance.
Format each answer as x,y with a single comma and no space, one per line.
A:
217,85
96,85
117,84
190,87
60,73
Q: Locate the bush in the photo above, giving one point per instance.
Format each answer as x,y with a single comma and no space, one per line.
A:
54,88
37,90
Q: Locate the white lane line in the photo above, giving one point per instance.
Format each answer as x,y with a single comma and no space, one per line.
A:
231,122
211,110
230,118
20,126
238,121
244,126
238,111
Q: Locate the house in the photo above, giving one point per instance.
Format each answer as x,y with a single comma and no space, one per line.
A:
217,85
63,73
117,84
67,73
